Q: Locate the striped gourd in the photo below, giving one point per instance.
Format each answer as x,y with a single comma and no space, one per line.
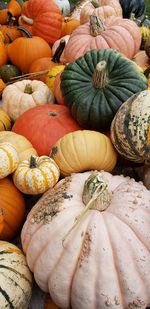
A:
5,121
130,128
36,175
15,278
9,159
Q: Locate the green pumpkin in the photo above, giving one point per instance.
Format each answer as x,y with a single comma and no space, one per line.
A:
96,85
8,71
130,128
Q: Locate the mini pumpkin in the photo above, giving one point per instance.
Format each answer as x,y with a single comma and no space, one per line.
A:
51,75
96,226
3,54
36,175
73,152
5,121
95,86
9,71
130,128
9,159
12,209
69,24
23,95
15,277
23,146
114,32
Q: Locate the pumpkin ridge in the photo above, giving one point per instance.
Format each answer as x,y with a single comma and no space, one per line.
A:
6,296
62,155
16,272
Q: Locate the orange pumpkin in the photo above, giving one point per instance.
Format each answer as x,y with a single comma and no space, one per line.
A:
3,53
14,8
142,60
2,85
68,25
57,90
3,16
12,209
42,18
11,31
28,50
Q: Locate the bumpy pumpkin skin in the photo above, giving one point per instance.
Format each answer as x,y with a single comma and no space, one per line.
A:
73,152
62,258
114,32
94,106
130,128
15,277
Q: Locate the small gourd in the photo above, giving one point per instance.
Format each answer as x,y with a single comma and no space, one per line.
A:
9,159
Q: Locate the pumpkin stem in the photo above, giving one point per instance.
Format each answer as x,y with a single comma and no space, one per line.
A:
28,89
96,25
95,3
95,196
59,51
25,31
27,20
100,79
33,163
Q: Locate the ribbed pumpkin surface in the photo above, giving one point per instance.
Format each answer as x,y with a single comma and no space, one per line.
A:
93,107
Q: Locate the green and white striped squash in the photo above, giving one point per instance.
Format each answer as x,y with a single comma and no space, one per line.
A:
15,278
36,175
9,159
130,128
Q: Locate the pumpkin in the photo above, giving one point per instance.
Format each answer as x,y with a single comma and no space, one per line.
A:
73,152
90,220
56,46
44,125
51,75
147,47
69,24
142,60
2,86
114,32
130,128
5,121
144,28
3,53
43,19
23,95
8,71
9,159
23,146
36,175
15,8
11,31
64,6
107,78
135,6
57,90
29,49
12,209
15,277
100,8
3,16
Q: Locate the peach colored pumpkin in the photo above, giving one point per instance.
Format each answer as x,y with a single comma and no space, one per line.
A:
115,32
100,8
142,60
87,241
57,44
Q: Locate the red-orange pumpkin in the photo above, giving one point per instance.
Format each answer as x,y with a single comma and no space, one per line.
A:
44,125
42,18
12,209
57,90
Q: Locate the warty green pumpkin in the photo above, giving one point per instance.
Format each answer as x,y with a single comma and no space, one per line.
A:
96,84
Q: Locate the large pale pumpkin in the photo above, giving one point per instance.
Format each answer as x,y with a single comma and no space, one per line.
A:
100,8
87,242
84,150
23,95
12,209
95,86
15,278
130,128
44,125
114,32
23,146
9,159
36,175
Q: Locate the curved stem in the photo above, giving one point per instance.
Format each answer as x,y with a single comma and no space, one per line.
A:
25,31
95,3
96,25
33,163
59,51
27,20
100,76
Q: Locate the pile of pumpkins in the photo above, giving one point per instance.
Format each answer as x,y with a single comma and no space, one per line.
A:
75,108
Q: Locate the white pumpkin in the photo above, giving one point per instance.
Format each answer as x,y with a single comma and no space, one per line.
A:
23,95
15,278
9,159
64,6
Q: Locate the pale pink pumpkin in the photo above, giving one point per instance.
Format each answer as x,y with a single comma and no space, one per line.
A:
100,8
87,241
57,43
115,32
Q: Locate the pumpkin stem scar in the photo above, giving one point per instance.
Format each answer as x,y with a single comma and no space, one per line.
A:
95,196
